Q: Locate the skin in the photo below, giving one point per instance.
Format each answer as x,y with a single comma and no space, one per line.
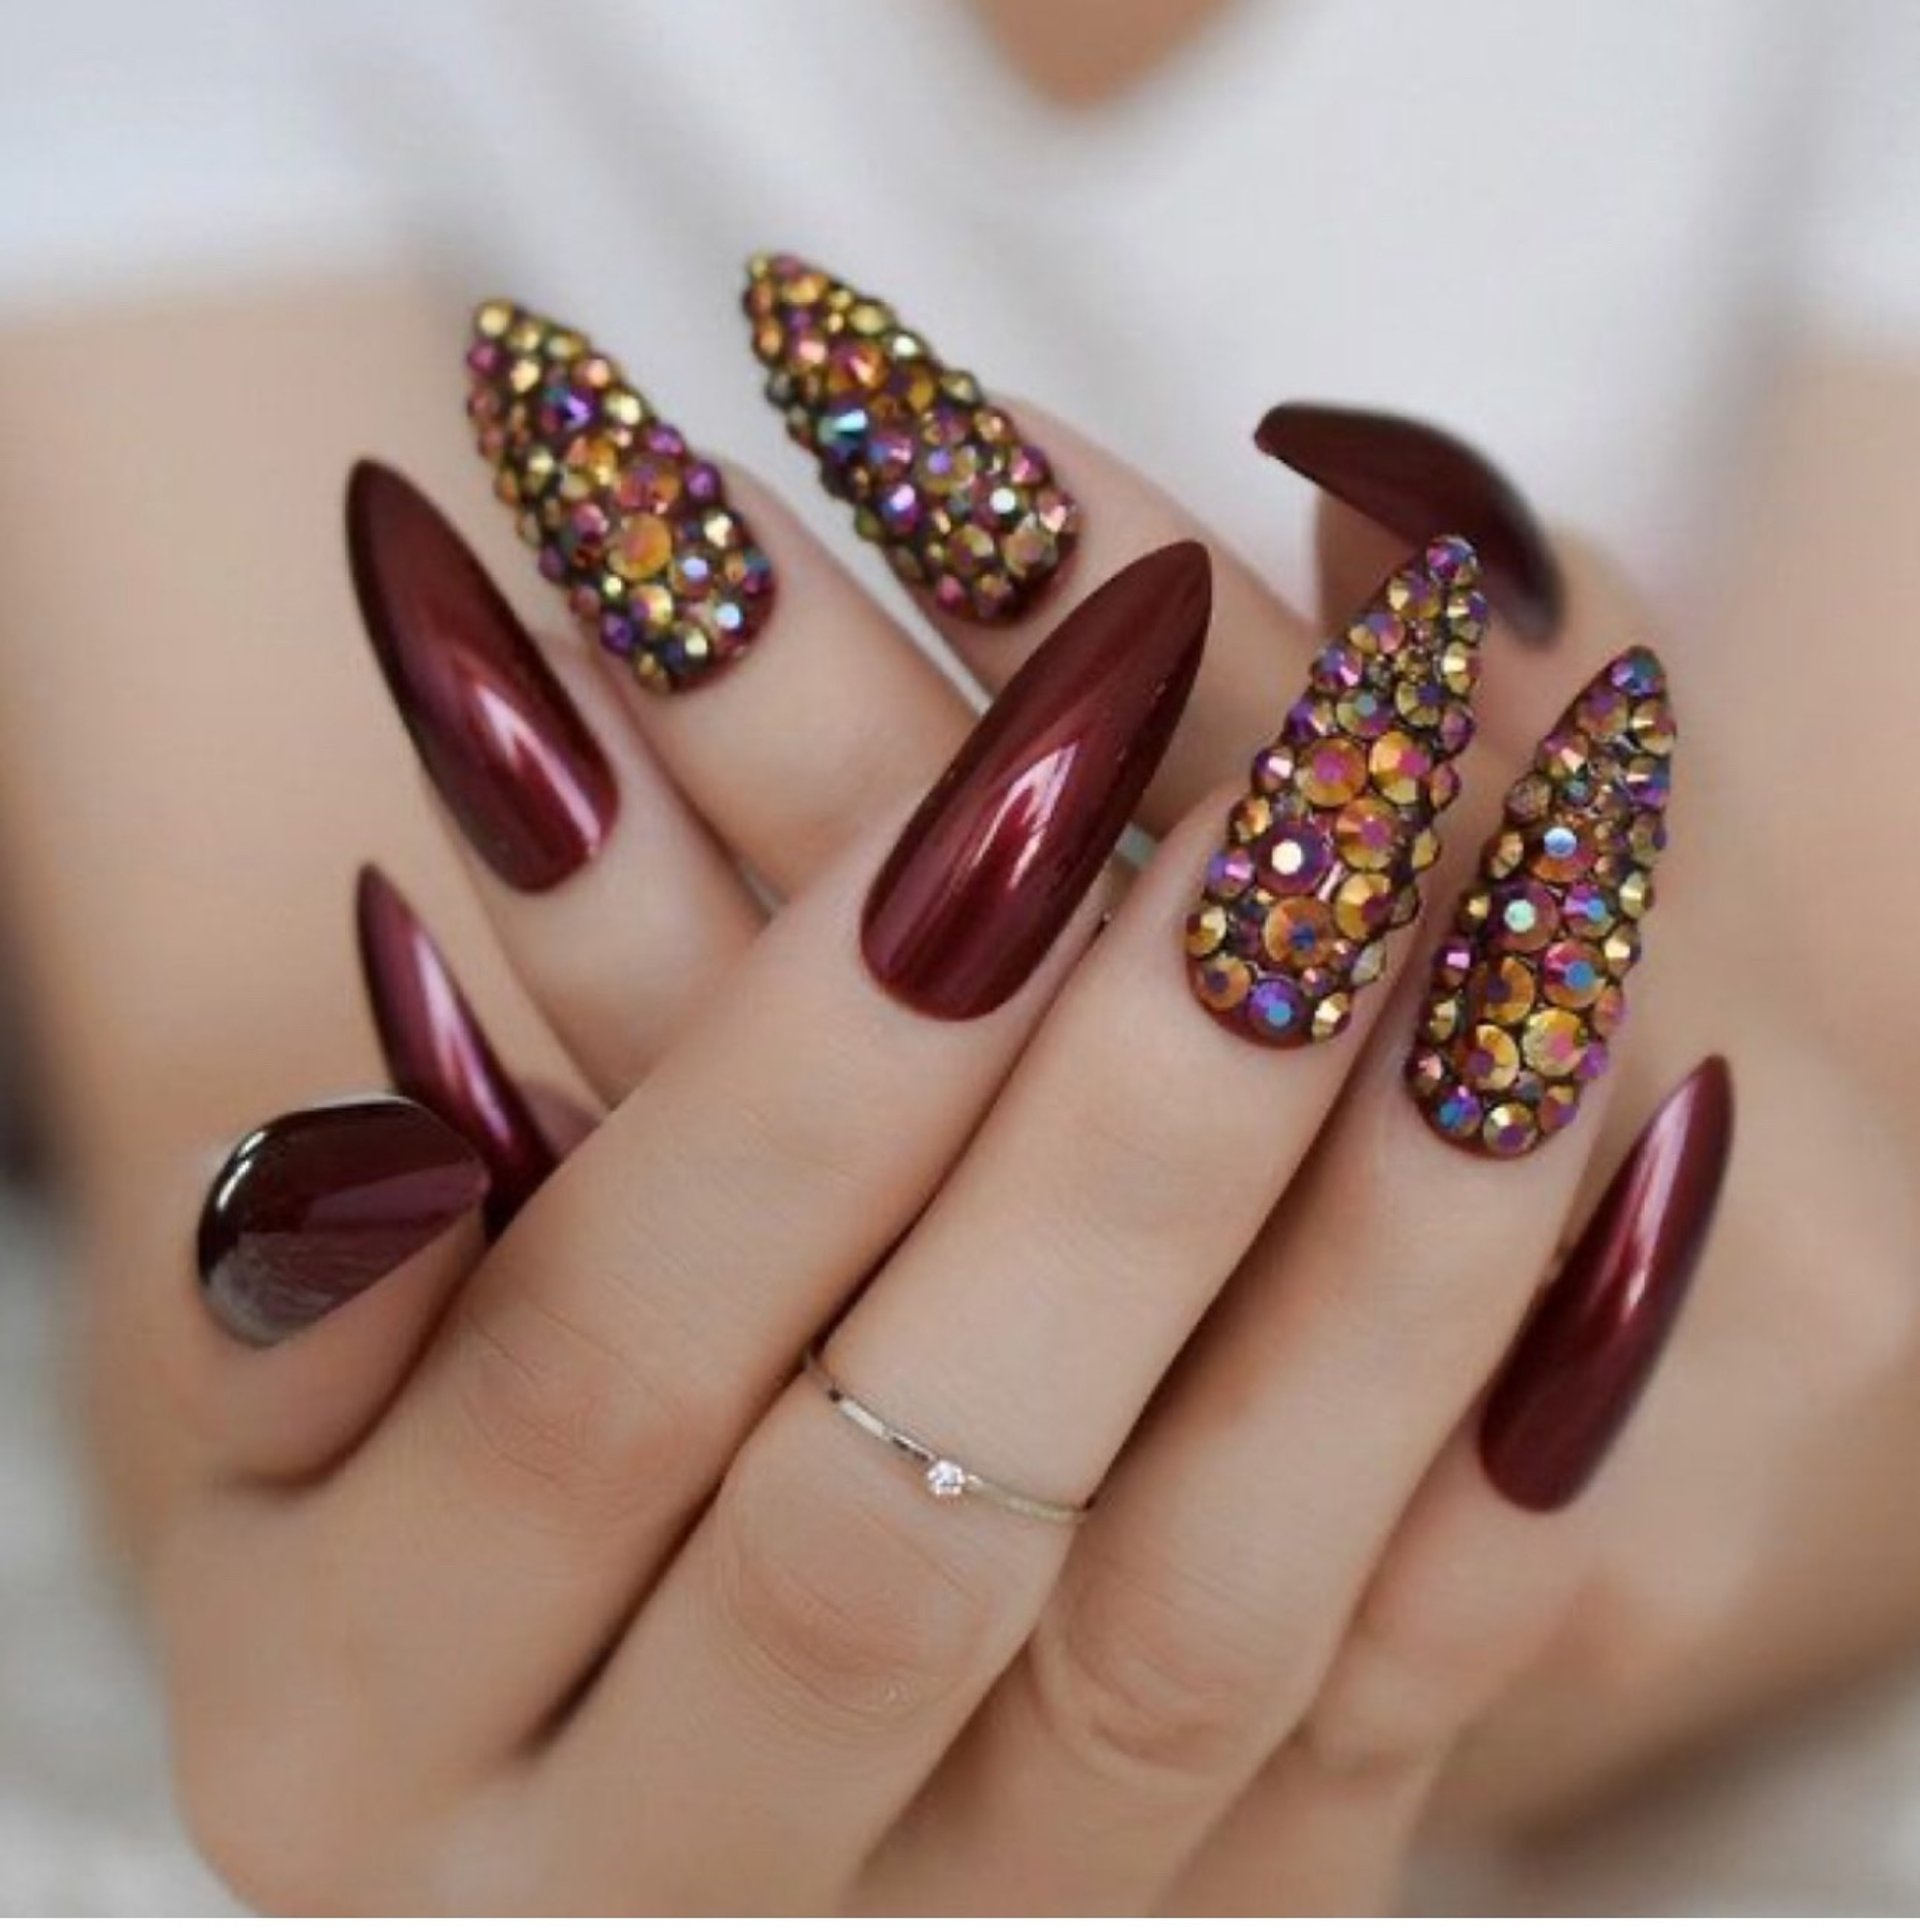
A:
1758,1491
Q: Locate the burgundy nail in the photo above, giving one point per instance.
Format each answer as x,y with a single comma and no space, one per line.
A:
1587,1352
1416,480
436,1052
310,1210
499,736
1011,838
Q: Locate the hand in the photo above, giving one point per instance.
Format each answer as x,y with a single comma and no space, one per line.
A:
402,1606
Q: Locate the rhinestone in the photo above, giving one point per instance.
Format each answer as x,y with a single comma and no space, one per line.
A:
1529,798
1367,832
1573,974
1272,770
1561,853
1458,1112
1299,932
1276,1008
1556,1108
1587,910
1491,1059
1504,855
1609,1011
1363,905
1400,766
1332,771
1441,1018
1251,819
1505,990
1222,983
1230,873
1331,1015
1295,858
1509,1130
1552,1042
945,1480
1621,949
1527,916
1636,893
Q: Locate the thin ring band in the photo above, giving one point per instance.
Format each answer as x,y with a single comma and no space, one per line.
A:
944,1478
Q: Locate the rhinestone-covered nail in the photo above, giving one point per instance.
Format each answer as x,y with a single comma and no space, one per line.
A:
1528,990
1323,854
629,521
938,475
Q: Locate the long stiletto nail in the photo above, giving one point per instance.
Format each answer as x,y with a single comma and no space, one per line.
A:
937,474
1585,1355
1528,989
633,525
1011,838
311,1209
500,737
1413,478
436,1051
1324,853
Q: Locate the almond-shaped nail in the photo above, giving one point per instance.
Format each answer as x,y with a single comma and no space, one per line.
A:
1413,478
1324,853
503,742
1012,837
937,474
438,1054
1527,992
634,525
1600,1327
311,1210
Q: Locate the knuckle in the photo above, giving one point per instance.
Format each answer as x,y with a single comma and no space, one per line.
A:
573,1430
837,1603
1393,1702
1156,1679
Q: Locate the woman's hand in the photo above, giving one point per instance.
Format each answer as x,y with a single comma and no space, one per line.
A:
538,1579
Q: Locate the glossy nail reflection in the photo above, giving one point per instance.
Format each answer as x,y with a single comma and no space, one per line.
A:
315,1207
498,734
1414,479
1586,1354
436,1051
1012,837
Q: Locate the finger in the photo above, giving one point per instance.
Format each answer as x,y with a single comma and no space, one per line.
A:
615,905
601,1367
1493,1553
785,703
999,518
327,1245
1025,1322
1181,1649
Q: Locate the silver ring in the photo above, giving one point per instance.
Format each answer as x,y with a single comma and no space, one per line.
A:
944,1478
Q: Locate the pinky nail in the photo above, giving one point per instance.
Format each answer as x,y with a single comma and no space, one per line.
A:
1528,992
1585,1356
312,1209
1413,478
438,1054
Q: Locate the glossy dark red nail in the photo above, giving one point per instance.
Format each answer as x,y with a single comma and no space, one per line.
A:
1587,1352
500,737
1416,480
436,1051
1011,838
310,1210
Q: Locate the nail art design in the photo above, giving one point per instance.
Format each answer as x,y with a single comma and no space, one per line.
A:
500,737
1528,989
1584,1357
633,525
1411,477
1007,843
310,1210
437,1053
938,475
1324,853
